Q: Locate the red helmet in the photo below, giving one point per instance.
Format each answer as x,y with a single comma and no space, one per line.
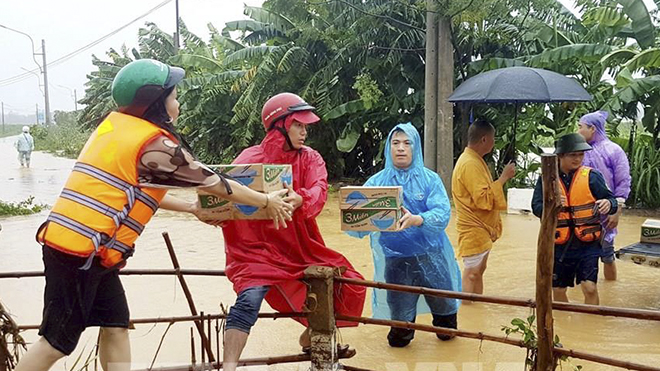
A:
283,105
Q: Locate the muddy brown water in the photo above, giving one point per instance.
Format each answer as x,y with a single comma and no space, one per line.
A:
511,272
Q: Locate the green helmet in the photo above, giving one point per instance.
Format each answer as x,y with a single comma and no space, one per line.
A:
573,142
142,82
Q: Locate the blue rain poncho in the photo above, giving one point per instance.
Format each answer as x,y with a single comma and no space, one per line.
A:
416,256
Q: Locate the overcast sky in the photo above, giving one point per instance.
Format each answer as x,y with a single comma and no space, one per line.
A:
68,25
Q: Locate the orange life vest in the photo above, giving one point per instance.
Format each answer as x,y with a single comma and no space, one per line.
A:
102,210
580,215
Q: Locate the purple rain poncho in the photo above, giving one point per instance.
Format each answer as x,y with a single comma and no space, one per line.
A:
608,158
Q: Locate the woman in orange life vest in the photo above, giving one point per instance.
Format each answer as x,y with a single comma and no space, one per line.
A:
118,182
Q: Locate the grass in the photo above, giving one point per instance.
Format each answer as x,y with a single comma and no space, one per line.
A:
26,207
10,130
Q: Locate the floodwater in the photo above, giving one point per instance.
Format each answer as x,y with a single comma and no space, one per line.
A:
511,272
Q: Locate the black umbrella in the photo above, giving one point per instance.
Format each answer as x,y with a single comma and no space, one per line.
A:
519,85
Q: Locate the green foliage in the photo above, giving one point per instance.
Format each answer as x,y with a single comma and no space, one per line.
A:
67,138
25,207
10,130
569,53
527,330
642,25
645,172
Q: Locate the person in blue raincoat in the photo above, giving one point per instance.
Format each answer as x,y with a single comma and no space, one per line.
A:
419,252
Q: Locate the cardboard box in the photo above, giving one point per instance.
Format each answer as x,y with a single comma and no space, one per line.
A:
370,198
263,178
259,177
217,208
374,220
214,207
370,208
651,231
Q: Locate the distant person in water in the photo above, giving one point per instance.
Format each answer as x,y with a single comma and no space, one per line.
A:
24,145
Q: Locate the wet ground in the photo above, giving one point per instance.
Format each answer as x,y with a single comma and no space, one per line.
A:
511,272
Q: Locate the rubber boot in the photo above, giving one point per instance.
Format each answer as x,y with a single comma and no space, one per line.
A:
448,321
400,337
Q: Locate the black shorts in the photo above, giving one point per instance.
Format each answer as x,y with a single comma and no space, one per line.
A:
573,267
75,299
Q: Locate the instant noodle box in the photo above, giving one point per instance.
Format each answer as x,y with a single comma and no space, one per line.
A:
650,231
264,178
370,208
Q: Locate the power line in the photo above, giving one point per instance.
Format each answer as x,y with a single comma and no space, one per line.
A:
26,75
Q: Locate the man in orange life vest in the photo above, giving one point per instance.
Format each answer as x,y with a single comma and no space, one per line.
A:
585,197
119,181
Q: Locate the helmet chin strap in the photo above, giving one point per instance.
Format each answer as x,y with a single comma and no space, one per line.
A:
282,131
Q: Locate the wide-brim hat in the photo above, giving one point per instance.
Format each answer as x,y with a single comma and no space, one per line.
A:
573,142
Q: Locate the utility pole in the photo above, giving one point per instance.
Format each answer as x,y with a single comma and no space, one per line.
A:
177,34
438,86
431,88
36,114
3,117
445,131
43,70
75,100
43,54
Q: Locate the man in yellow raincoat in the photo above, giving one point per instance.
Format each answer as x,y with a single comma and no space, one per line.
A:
478,200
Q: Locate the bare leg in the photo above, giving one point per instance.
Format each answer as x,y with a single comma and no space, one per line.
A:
115,349
590,291
609,269
234,343
560,294
40,357
473,278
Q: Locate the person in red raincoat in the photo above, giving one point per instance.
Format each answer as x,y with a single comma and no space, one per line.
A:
266,262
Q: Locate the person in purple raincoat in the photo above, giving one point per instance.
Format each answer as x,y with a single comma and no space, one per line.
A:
610,159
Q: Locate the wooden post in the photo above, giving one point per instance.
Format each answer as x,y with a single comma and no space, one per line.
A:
545,261
4,355
445,127
431,88
199,324
320,303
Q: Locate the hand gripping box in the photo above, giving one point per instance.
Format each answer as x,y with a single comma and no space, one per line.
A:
370,208
262,178
651,231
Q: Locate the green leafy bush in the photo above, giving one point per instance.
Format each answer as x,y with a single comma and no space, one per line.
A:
26,207
527,329
67,138
645,172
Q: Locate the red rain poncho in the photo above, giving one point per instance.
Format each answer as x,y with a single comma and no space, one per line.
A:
260,255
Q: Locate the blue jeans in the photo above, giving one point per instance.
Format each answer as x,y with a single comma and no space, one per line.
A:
415,271
607,255
243,314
